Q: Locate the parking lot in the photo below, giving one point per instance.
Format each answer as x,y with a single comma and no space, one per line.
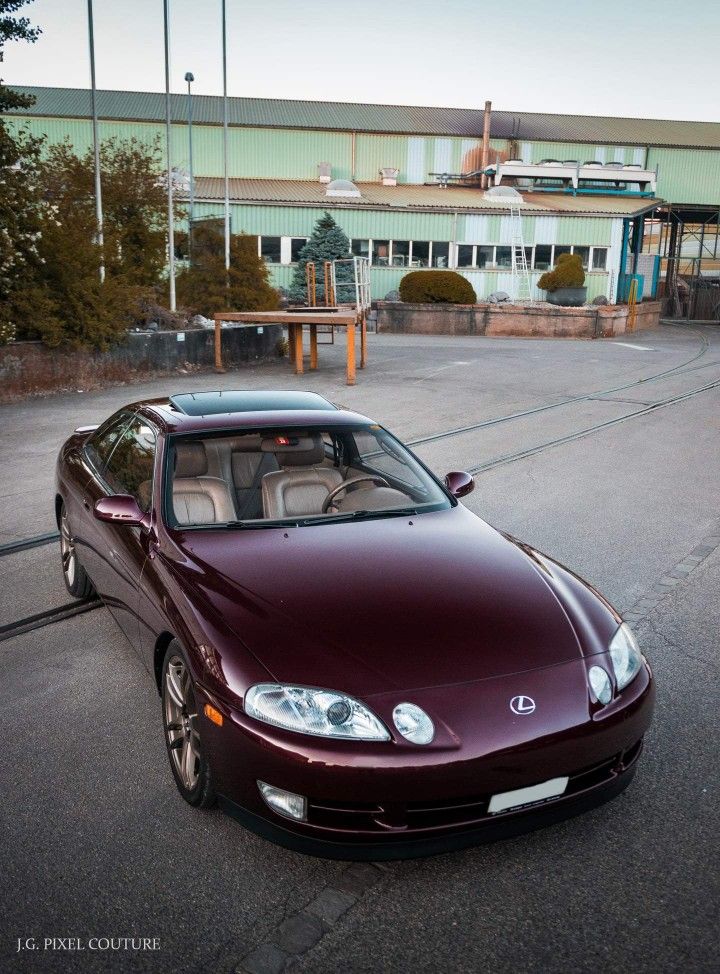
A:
605,455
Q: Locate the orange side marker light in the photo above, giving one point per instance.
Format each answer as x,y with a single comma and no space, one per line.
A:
213,714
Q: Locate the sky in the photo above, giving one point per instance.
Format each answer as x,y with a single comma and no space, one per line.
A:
645,59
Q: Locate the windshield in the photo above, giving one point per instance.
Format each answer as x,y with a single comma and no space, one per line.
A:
294,476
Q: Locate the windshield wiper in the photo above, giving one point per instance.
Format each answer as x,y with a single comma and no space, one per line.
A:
359,515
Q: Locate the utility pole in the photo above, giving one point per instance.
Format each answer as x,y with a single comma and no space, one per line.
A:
96,145
190,77
225,138
171,215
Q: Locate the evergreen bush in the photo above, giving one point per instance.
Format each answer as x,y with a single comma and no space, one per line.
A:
205,287
436,287
568,272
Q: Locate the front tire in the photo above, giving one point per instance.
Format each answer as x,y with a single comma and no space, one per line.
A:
188,763
77,581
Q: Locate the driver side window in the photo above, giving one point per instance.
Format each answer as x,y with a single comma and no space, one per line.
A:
130,468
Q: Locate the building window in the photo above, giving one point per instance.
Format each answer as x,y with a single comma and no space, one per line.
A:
440,254
543,257
599,258
503,258
485,256
381,253
465,255
400,253
270,249
360,248
296,245
584,254
560,249
420,253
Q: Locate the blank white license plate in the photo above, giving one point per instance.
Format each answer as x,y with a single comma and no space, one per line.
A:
526,796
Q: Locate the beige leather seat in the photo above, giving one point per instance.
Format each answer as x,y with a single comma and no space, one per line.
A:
198,498
249,465
302,485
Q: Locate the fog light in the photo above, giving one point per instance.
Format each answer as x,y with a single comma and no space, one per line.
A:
600,684
285,803
413,723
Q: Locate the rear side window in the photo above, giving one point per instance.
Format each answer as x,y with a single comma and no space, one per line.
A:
130,468
103,441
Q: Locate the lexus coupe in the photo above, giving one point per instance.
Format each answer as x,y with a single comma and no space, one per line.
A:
349,661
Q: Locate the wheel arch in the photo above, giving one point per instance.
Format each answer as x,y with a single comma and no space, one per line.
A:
161,644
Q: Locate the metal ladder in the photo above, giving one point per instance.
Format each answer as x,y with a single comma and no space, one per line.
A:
521,286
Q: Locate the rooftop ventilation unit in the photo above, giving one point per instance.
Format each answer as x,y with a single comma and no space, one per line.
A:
342,188
389,176
324,172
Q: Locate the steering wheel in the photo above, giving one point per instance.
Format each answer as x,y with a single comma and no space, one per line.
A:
380,481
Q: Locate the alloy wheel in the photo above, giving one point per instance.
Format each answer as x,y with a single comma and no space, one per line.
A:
181,722
67,550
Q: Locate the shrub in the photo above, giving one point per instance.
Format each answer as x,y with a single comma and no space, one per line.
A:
568,272
436,287
206,287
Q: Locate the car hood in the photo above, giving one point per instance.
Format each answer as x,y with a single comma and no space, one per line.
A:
376,605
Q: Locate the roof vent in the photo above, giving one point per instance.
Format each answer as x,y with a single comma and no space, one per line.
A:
324,172
389,176
342,187
502,192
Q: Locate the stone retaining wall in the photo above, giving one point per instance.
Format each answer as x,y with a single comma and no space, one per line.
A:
30,368
535,320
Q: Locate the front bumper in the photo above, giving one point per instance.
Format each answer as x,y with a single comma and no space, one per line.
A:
397,800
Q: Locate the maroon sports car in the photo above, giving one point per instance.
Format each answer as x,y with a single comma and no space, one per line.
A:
349,660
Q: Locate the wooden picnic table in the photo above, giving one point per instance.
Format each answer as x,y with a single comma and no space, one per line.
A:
295,321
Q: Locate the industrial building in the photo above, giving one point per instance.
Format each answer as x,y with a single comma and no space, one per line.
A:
631,196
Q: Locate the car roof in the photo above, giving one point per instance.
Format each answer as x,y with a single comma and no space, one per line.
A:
229,409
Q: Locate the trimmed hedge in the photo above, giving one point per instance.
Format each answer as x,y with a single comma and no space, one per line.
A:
436,287
568,272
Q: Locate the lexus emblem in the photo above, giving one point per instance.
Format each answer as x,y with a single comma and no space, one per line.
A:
522,706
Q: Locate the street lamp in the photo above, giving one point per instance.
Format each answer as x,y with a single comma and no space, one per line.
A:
190,77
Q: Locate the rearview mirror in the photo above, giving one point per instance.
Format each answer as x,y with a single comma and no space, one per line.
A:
119,509
459,483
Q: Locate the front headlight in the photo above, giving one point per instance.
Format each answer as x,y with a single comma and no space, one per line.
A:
306,710
625,655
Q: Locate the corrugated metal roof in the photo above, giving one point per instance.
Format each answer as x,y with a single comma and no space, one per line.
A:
403,119
409,197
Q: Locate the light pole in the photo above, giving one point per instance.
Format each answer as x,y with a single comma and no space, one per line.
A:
96,145
171,215
225,138
190,77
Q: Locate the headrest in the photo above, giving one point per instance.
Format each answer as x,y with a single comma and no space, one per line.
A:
250,443
190,460
295,451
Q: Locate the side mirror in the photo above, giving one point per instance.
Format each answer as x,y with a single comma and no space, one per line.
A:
120,509
459,483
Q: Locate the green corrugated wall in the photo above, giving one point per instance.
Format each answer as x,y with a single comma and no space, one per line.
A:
687,175
298,221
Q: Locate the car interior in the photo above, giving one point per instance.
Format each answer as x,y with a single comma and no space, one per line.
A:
273,476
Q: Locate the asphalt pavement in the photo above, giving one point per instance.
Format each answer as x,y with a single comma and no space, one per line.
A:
97,843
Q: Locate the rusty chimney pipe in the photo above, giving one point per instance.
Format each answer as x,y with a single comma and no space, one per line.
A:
486,144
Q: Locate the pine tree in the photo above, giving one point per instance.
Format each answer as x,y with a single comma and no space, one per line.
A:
328,242
206,287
